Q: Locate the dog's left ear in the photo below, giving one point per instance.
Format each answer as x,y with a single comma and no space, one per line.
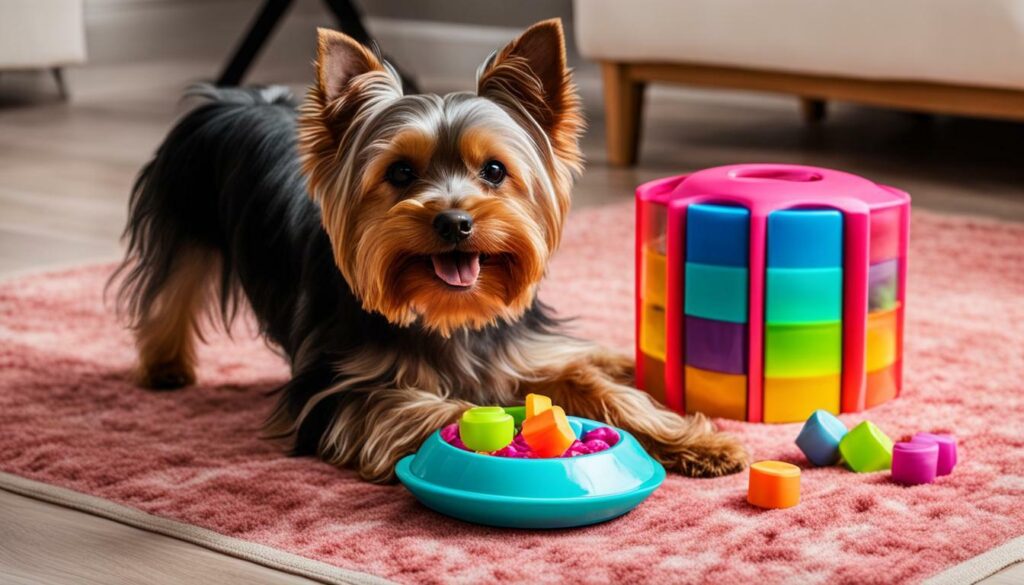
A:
531,73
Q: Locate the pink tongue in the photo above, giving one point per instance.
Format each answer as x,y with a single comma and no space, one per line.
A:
456,268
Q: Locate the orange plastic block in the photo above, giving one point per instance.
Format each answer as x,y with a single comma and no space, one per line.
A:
882,386
716,394
881,339
536,404
774,484
548,434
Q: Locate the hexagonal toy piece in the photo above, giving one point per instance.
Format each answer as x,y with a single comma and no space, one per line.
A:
947,450
866,448
549,433
820,437
914,462
774,484
486,428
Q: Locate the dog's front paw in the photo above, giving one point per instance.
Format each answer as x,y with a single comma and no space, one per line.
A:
710,454
166,376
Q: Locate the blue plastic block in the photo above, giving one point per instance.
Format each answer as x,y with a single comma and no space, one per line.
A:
805,238
716,292
802,295
820,437
717,235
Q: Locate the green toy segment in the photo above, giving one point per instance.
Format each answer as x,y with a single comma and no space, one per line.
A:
866,448
486,428
518,414
716,292
801,295
803,350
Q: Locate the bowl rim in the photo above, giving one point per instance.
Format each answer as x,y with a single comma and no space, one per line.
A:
406,476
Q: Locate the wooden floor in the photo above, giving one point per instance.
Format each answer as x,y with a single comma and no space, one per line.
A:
66,169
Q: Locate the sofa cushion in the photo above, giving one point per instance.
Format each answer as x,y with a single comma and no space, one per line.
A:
951,41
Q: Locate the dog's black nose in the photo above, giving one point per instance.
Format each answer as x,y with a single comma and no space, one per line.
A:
453,225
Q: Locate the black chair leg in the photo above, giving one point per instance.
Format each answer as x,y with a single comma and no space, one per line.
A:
270,15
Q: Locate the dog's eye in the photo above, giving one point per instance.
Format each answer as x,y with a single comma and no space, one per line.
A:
400,174
493,172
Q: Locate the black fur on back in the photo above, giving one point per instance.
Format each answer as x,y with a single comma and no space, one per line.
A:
227,179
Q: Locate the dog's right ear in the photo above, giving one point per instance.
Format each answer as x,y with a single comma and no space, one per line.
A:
351,83
341,60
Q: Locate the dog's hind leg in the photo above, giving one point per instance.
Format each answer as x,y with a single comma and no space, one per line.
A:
167,329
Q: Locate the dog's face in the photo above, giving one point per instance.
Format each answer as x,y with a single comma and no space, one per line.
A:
443,211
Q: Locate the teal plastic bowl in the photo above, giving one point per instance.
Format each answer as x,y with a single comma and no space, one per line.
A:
532,493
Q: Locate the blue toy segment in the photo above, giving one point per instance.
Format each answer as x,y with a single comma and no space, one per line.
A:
819,439
716,292
717,235
801,295
805,238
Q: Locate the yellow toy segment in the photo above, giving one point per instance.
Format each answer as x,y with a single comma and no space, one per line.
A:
881,339
654,287
536,404
794,399
652,332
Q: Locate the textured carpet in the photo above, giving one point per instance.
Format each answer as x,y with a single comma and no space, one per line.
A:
70,417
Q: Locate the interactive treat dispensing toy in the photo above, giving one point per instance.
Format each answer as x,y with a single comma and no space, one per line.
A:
766,292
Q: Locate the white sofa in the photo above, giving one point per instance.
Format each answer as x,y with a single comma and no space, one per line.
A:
948,56
41,34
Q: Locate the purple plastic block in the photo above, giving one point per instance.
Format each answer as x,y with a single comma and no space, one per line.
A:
882,284
947,450
914,463
716,346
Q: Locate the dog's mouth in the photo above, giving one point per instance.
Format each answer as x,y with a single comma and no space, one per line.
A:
457,269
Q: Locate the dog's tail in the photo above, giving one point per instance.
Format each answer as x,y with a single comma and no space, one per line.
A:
173,235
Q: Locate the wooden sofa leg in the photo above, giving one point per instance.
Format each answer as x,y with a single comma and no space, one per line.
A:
813,110
623,107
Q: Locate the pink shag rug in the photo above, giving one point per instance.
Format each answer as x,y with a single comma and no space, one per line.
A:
69,416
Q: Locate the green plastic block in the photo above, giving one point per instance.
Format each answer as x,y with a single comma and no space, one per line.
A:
803,350
518,414
866,448
486,428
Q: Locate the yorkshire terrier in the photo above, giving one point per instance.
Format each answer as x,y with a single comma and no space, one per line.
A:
391,246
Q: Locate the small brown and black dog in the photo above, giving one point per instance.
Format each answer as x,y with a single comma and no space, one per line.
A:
391,246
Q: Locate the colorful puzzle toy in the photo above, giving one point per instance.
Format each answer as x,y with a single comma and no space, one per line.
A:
766,292
560,471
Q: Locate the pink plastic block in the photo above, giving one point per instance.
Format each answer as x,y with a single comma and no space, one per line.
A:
947,450
914,463
876,221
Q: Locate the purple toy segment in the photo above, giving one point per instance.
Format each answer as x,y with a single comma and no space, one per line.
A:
914,463
716,346
882,278
947,450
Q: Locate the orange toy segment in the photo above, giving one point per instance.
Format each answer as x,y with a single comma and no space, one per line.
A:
548,434
536,404
774,484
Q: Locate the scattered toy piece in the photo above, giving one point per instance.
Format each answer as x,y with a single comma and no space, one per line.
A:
914,462
947,450
774,484
819,438
866,448
518,414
